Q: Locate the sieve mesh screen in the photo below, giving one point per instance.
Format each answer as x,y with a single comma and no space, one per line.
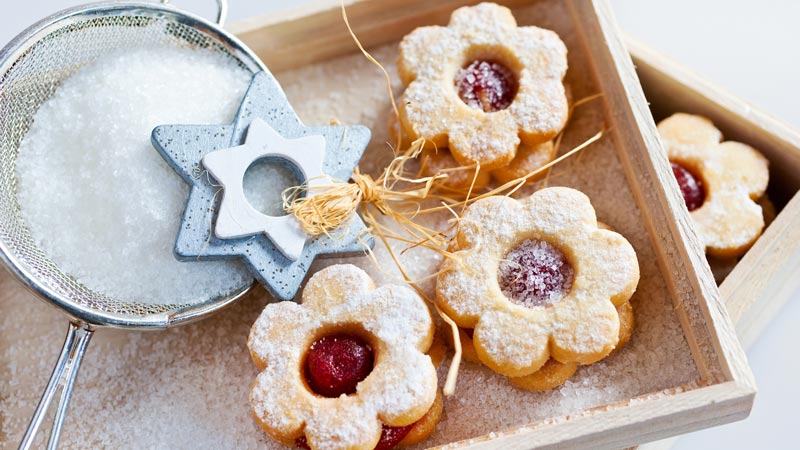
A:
32,77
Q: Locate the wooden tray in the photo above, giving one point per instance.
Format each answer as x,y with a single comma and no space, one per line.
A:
187,387
724,390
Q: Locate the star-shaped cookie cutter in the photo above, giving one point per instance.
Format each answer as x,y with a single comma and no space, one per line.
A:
208,230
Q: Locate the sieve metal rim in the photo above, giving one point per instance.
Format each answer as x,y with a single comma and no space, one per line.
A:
22,43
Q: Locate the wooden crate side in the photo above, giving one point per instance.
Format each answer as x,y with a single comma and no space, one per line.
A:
766,277
639,420
646,190
316,32
667,219
761,284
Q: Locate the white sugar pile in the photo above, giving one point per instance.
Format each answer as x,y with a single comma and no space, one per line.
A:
98,198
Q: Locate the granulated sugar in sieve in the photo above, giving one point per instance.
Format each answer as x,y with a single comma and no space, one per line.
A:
98,198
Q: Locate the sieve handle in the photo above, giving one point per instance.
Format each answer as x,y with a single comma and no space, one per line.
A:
222,10
64,375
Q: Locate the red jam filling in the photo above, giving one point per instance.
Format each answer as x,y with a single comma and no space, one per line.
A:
336,364
486,85
694,193
390,437
535,273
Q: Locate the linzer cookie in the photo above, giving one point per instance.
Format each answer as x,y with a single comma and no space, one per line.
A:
536,278
482,84
721,183
347,368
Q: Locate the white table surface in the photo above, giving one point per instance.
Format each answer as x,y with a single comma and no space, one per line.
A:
750,48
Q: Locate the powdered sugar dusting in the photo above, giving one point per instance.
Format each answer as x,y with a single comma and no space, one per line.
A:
657,356
535,273
484,85
580,318
730,176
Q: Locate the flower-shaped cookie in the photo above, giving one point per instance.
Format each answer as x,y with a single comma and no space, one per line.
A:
536,278
340,306
481,84
720,182
553,373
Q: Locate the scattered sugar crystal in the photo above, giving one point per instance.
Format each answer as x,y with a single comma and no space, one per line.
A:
486,85
535,273
98,198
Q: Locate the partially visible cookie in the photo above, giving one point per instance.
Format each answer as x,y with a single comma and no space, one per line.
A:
720,183
554,373
721,267
768,210
424,427
438,349
627,323
465,338
438,161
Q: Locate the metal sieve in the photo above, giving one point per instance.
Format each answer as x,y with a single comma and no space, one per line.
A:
32,67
